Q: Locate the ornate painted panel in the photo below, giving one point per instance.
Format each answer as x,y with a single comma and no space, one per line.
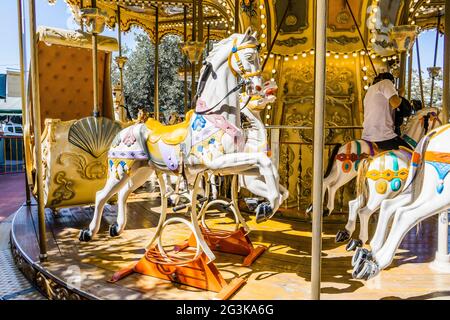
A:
297,16
339,16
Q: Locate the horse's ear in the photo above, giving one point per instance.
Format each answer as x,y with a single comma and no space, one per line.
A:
248,35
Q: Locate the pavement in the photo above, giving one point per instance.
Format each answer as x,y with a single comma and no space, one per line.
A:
13,285
12,193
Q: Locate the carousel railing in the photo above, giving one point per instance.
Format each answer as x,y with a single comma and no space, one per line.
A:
296,169
11,154
293,160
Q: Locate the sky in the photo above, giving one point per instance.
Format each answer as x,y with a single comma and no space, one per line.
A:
59,16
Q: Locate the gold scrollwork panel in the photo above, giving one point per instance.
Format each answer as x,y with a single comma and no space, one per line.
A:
71,176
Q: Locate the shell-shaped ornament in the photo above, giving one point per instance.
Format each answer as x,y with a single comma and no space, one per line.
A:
93,134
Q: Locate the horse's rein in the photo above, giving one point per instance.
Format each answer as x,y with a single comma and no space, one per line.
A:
243,74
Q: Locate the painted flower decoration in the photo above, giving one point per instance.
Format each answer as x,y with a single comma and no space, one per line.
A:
129,138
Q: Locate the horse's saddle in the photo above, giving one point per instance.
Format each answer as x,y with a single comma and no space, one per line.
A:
169,134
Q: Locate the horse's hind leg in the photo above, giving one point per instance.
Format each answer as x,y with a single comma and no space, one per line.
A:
136,180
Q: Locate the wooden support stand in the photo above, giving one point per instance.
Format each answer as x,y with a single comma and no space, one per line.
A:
234,242
192,272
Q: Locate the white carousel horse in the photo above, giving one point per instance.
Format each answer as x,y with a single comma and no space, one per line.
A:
428,174
208,140
344,160
381,178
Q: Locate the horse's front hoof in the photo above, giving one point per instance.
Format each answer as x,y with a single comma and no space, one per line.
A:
263,212
367,270
342,235
361,254
353,244
85,235
114,230
170,202
326,212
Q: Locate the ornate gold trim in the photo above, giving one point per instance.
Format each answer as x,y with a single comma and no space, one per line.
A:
49,286
75,39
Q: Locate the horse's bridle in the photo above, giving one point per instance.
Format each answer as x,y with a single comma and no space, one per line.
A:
245,74
242,73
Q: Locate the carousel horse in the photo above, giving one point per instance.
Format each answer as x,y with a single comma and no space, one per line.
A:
344,161
382,177
209,140
428,175
379,178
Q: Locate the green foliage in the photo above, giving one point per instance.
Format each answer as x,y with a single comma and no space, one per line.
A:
426,81
139,80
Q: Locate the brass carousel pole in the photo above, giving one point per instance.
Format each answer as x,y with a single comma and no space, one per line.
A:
22,87
96,111
120,61
442,259
410,69
402,78
319,109
156,94
37,130
420,73
81,7
185,60
435,58
194,38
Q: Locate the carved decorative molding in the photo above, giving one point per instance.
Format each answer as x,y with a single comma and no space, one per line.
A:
93,170
64,192
342,40
53,290
291,42
75,39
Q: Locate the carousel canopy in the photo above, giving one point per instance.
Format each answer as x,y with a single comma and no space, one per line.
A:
347,19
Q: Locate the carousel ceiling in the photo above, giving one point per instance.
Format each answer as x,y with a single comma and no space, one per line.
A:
374,19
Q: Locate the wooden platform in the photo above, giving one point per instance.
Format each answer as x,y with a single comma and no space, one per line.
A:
282,272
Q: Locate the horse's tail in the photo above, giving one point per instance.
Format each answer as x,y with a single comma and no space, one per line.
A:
333,155
361,185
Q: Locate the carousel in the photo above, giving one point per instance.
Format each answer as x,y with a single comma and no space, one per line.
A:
259,190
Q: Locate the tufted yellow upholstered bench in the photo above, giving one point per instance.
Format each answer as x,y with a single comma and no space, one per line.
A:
71,175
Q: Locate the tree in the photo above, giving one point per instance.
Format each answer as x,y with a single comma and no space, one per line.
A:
437,91
139,84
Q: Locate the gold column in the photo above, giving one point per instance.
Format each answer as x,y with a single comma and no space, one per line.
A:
22,88
37,130
156,95
319,110
236,16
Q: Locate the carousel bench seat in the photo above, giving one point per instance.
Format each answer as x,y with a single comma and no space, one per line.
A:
169,134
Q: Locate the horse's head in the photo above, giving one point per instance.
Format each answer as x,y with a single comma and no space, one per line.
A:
241,52
421,123
258,102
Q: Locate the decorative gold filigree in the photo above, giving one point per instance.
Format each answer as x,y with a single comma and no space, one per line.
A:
64,192
88,170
